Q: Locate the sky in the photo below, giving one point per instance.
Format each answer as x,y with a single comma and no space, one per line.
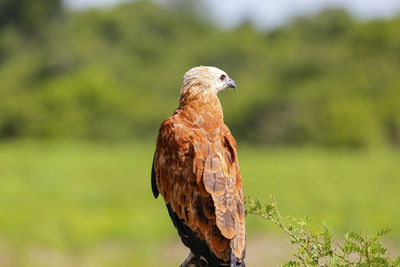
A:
272,13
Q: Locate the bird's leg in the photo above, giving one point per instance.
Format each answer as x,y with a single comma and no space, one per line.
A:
233,260
193,261
188,259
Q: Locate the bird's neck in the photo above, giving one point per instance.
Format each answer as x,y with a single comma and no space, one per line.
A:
202,110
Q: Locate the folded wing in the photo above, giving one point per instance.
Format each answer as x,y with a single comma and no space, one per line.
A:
198,176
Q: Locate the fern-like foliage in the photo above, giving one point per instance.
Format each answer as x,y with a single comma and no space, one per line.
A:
316,248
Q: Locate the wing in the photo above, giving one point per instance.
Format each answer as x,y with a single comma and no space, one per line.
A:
189,205
200,182
217,161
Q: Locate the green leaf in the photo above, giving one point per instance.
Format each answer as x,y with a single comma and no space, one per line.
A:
356,237
383,232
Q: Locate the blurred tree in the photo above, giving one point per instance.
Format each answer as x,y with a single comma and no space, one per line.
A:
115,73
28,16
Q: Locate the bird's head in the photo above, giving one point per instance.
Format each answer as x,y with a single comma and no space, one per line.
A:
206,80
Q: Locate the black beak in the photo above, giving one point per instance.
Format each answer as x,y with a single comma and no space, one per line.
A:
231,84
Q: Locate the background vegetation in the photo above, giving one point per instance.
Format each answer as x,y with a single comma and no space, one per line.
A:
113,74
82,95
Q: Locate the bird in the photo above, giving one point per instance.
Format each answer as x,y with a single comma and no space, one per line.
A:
196,171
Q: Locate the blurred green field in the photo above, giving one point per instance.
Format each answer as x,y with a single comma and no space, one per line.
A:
316,116
90,204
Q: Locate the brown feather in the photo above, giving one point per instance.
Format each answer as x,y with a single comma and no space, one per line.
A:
197,173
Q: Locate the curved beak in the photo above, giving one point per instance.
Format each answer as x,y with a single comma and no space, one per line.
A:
231,84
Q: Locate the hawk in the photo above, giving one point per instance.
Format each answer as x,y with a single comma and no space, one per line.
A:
196,171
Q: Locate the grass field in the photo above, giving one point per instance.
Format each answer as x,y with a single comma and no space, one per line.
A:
82,204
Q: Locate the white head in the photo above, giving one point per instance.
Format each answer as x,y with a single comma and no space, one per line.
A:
206,79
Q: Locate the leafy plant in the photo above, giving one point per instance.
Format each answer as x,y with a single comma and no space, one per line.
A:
316,248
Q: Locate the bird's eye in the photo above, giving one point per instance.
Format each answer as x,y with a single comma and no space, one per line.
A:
222,77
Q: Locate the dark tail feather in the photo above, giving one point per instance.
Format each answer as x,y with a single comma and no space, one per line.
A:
153,179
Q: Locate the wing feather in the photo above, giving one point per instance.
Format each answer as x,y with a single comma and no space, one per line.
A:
222,180
198,176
